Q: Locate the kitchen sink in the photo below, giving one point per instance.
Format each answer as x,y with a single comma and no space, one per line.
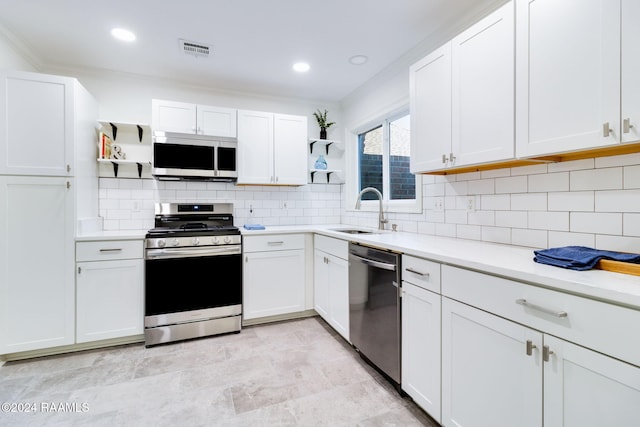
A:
353,231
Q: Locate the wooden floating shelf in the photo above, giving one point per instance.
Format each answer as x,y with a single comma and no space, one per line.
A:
619,267
556,158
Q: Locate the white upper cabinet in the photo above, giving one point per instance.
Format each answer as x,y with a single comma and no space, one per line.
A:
630,71
462,98
255,147
43,121
171,116
290,154
568,74
430,105
272,148
483,73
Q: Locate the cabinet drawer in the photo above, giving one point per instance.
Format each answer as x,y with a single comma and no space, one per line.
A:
422,273
603,327
274,242
330,245
109,249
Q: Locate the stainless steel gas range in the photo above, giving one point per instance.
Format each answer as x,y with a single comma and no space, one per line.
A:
193,273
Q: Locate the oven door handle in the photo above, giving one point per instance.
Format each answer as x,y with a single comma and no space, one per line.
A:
192,252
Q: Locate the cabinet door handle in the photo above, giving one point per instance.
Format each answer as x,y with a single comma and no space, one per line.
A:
452,158
280,242
444,158
606,130
419,273
111,250
556,313
530,347
626,125
546,352
79,270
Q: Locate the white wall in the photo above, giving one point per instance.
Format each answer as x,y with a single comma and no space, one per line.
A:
12,57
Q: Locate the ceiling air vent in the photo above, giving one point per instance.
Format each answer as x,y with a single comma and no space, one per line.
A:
195,49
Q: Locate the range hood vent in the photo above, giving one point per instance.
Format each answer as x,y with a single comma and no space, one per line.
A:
194,48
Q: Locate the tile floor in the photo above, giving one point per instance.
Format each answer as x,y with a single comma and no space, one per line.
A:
294,373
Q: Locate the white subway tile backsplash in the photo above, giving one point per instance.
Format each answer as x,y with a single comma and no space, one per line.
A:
583,202
513,219
599,223
631,224
549,182
596,179
558,221
631,176
563,238
496,234
531,238
617,201
512,184
529,202
495,202
471,232
618,243
481,186
571,201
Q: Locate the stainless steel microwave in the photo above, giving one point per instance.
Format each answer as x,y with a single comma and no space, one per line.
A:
197,157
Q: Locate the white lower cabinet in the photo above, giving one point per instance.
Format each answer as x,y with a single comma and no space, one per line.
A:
274,277
109,290
36,263
499,372
487,377
585,388
421,347
331,282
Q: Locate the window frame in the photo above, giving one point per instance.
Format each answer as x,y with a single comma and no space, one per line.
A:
352,181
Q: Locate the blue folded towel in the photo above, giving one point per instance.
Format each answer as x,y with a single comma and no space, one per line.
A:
580,257
254,227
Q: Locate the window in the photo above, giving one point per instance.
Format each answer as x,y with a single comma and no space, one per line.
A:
384,153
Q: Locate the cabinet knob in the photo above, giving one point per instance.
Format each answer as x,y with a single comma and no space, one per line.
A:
626,125
444,158
546,352
606,130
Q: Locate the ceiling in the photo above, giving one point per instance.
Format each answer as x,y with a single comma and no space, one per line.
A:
254,42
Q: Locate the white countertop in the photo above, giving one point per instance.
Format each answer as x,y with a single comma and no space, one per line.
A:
512,262
112,235
503,260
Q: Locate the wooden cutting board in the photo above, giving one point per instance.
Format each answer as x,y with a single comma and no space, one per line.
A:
619,267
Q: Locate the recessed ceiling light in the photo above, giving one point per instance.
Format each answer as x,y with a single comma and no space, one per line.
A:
358,59
301,67
123,35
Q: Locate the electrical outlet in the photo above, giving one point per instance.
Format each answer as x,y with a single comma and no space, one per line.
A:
471,204
438,204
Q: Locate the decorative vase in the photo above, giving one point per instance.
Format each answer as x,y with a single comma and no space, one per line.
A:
323,133
321,163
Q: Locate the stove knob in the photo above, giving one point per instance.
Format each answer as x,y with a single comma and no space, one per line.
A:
216,240
195,241
161,243
175,242
227,239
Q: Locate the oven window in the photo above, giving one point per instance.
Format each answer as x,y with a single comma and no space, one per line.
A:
180,156
226,159
183,284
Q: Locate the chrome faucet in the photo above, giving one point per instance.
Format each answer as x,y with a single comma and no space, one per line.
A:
381,220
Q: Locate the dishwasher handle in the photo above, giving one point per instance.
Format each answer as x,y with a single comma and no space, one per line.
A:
376,264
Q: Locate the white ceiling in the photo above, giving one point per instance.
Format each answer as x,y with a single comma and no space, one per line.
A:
255,42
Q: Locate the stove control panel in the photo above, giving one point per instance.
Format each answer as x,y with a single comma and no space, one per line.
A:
182,242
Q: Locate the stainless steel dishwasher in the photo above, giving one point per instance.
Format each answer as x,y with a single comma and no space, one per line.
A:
374,307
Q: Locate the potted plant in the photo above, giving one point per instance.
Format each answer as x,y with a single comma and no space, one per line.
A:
323,123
